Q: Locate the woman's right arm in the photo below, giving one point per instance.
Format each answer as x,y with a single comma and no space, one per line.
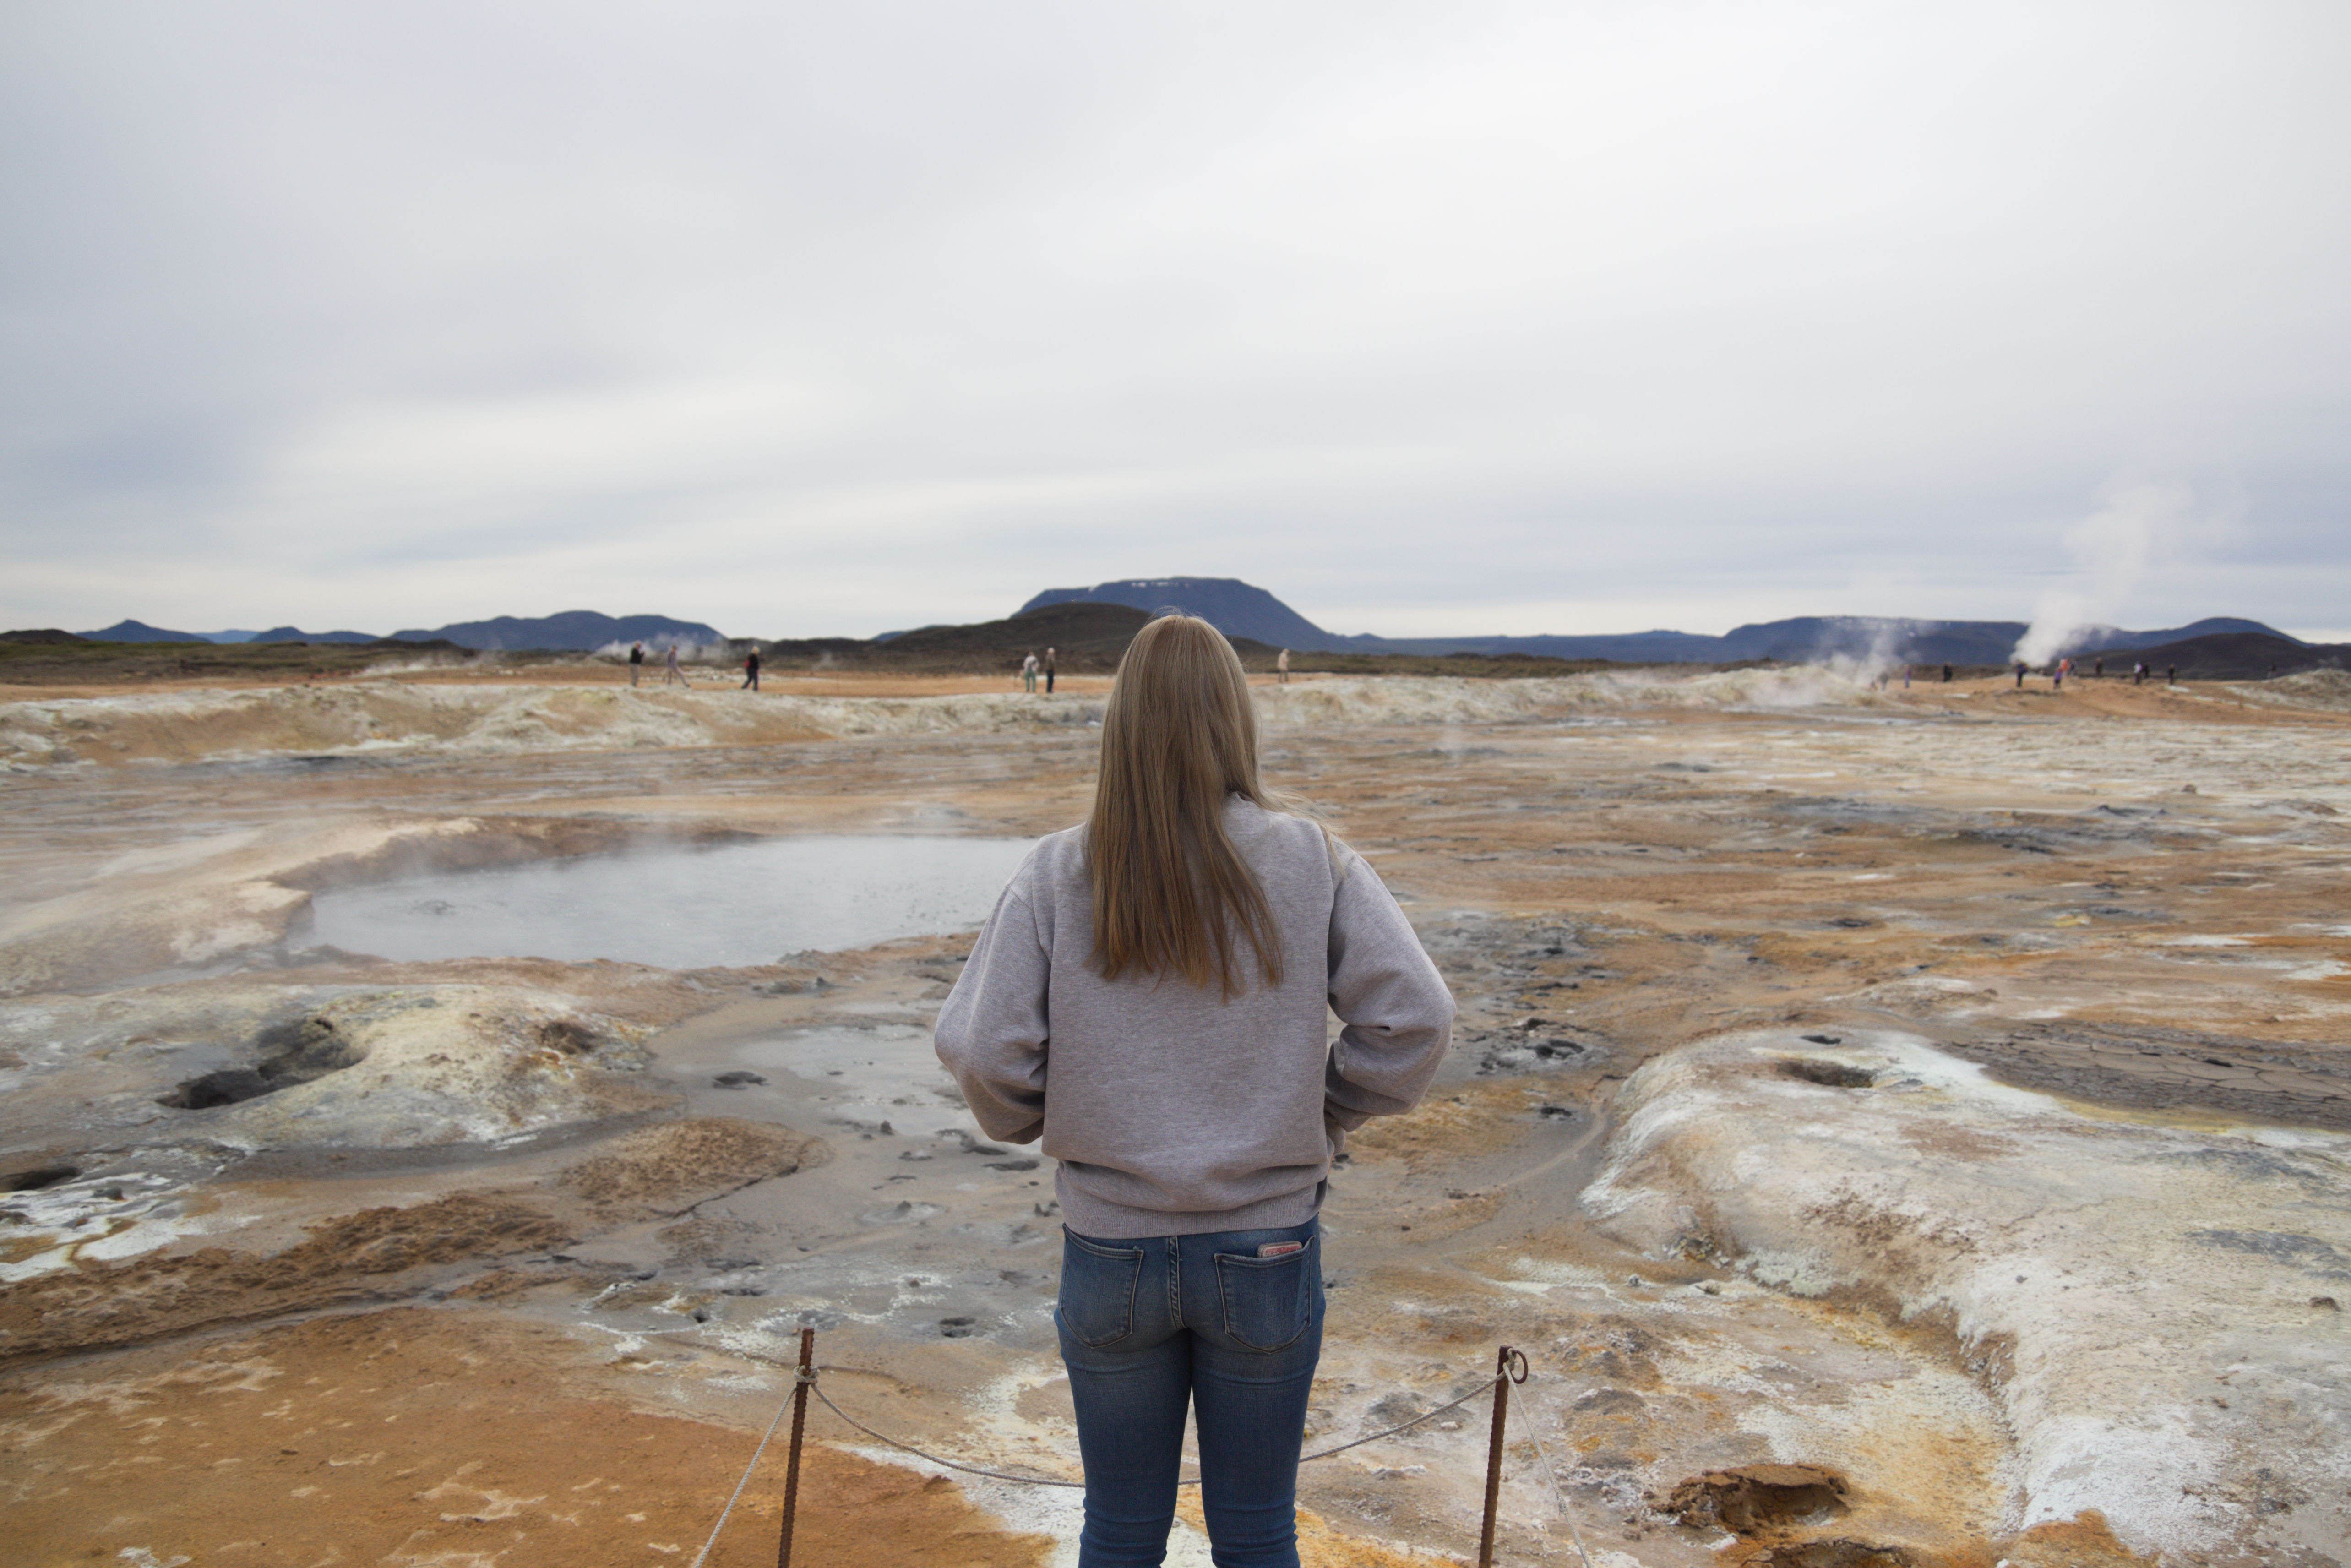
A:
992,1032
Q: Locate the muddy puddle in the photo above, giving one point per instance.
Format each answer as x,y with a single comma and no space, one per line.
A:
731,905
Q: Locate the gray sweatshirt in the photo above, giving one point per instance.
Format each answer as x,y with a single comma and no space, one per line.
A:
1171,1110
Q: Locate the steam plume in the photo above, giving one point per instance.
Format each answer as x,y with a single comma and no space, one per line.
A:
2111,549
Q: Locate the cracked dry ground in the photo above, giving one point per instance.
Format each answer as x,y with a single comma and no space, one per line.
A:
563,1349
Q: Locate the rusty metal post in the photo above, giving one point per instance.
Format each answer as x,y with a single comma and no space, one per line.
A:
1494,1456
799,1423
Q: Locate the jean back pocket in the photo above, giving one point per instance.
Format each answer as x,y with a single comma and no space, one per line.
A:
1098,1286
1268,1302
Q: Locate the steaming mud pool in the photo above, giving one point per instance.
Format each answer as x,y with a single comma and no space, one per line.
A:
728,905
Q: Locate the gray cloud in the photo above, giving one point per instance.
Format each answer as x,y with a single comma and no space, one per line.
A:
1512,318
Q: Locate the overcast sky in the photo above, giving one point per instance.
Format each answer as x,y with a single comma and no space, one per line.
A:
1445,318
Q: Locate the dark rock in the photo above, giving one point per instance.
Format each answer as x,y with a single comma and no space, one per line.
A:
1830,1075
32,1178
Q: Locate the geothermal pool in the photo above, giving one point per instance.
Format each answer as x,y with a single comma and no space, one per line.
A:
731,906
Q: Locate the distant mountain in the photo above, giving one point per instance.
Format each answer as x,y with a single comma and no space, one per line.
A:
1240,610
1233,607
1812,638
139,631
296,634
573,628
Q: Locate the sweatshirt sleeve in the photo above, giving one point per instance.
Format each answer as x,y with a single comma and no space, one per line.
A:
992,1032
1397,1011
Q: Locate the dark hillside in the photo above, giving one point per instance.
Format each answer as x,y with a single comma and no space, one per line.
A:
139,631
296,634
578,631
1086,638
2227,656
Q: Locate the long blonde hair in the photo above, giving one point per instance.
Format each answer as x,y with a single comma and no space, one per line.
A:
1171,894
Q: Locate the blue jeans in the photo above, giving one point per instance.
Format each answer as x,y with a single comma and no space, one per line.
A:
1153,1325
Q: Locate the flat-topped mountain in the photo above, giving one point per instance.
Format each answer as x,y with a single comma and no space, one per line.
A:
1237,609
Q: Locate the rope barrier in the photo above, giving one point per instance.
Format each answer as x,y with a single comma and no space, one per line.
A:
1558,1494
1043,1481
744,1482
805,1381
933,1458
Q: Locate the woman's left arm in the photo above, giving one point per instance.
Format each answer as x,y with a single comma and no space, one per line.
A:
992,1033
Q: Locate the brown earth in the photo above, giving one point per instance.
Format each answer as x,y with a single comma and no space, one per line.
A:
666,1170
441,1437
2020,878
355,1257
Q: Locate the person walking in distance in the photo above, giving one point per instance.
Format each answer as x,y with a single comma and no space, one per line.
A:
751,669
2019,674
1281,666
670,672
1049,671
1171,960
1028,673
1947,673
636,662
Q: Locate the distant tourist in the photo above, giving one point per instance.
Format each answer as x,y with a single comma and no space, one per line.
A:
2170,674
2099,668
1905,677
1281,666
2057,674
636,662
670,672
1049,671
751,669
1187,939
1028,673
2019,674
1946,674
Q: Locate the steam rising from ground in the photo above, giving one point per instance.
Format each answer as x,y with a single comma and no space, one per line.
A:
2137,523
